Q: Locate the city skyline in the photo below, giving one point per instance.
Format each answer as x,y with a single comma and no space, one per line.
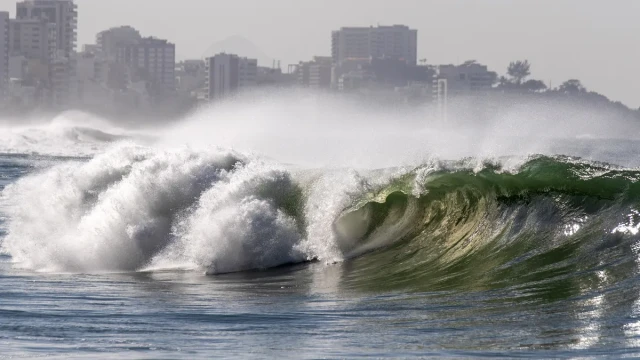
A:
588,40
597,36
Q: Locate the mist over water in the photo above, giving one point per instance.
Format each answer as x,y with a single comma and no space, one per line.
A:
313,129
320,130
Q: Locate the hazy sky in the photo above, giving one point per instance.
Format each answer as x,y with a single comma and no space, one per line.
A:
595,41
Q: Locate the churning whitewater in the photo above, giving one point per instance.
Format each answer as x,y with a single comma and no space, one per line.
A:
137,208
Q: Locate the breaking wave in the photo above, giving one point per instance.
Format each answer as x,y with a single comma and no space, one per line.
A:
439,225
135,207
71,134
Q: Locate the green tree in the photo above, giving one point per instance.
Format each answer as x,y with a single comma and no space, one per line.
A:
572,86
504,83
534,85
519,71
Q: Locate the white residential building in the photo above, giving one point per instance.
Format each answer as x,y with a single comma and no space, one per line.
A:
62,13
397,42
33,39
61,19
33,52
227,74
466,79
153,61
248,73
315,74
109,41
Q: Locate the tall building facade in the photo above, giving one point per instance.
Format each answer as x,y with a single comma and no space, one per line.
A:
62,13
397,42
61,17
226,74
109,41
34,57
248,73
4,52
151,60
35,39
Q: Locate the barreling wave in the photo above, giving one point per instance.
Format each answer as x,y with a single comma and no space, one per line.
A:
438,226
550,226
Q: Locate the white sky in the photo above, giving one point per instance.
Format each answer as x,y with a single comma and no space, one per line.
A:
596,41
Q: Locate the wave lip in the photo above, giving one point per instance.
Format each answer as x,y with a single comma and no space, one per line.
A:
547,228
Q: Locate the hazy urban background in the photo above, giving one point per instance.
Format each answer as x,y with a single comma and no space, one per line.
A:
128,58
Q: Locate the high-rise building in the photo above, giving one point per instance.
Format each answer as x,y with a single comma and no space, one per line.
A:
248,73
151,60
62,13
109,41
34,39
397,42
4,52
227,74
61,17
315,74
35,61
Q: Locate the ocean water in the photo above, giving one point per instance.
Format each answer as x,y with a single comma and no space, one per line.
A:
112,247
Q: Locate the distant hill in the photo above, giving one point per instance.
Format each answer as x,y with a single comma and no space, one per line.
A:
240,46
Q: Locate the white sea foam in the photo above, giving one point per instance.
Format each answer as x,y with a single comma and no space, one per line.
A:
70,134
236,224
114,212
135,208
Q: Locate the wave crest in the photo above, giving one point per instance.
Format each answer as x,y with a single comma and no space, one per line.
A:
217,211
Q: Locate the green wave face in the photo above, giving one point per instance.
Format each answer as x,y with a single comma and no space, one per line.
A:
547,230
